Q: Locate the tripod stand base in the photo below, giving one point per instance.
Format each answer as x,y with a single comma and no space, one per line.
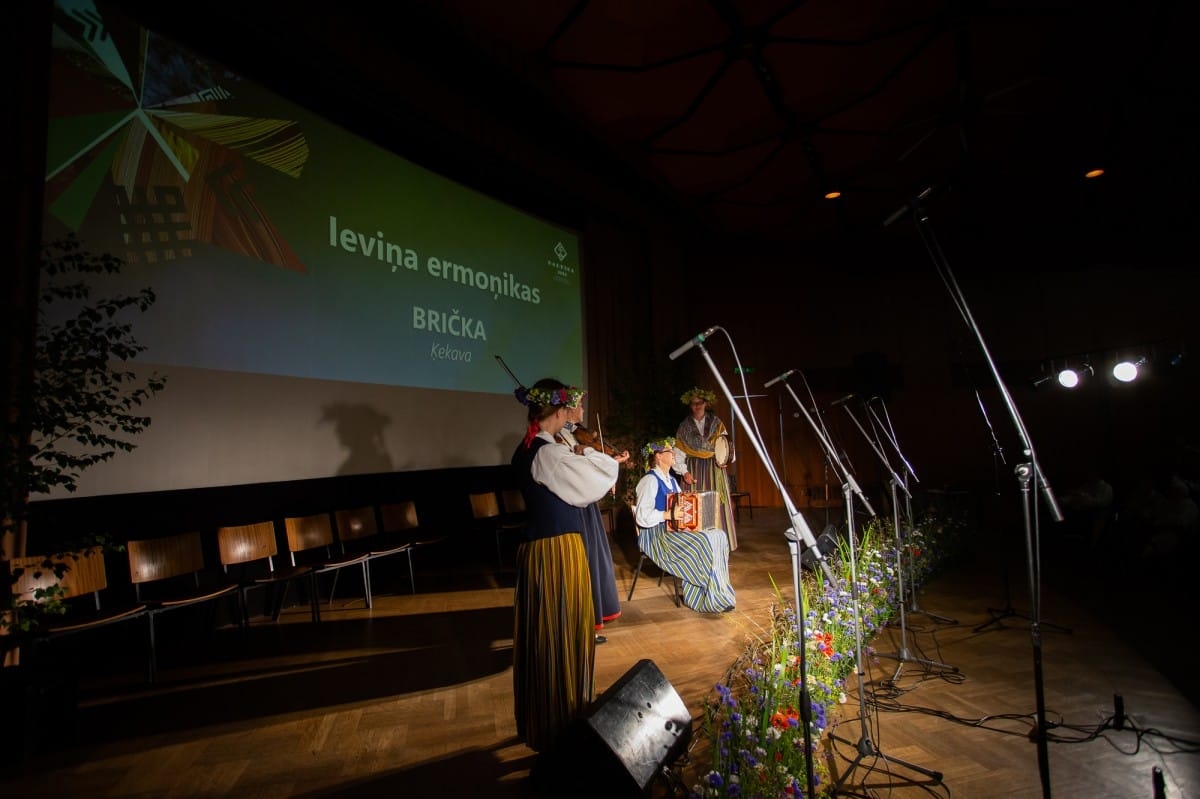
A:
903,657
938,618
1000,614
865,748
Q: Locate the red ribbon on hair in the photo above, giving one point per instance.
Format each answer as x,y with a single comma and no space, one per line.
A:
531,434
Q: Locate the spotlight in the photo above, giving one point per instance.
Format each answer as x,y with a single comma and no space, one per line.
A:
1127,371
1069,378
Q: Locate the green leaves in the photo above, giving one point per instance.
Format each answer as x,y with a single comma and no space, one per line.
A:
82,406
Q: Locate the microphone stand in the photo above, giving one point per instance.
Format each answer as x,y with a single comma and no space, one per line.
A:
799,531
902,655
1008,611
732,470
864,747
889,432
832,456
1029,474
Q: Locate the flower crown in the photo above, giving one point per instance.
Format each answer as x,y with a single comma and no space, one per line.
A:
702,393
659,445
569,396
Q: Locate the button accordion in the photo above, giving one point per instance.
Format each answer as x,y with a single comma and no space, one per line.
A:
692,511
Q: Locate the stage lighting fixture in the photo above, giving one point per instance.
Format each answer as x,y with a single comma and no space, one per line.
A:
1127,370
1070,378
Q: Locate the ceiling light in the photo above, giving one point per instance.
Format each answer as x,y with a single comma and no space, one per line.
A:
1093,173
832,195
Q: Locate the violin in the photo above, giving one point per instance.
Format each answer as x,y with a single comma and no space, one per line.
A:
590,439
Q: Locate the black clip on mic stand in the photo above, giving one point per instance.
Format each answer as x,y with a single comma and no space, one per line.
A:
799,531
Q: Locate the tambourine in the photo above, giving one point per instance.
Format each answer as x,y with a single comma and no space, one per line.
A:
723,453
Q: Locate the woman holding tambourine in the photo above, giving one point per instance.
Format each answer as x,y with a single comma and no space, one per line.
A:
703,439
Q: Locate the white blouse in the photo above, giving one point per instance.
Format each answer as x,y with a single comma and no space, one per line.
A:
578,480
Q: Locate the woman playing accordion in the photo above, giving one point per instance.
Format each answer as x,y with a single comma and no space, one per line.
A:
699,558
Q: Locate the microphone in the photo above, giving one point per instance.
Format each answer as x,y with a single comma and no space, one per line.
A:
783,376
843,400
698,339
911,205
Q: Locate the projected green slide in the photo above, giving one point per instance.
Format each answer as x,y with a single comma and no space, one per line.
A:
281,244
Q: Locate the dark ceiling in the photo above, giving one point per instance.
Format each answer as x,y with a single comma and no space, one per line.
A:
741,115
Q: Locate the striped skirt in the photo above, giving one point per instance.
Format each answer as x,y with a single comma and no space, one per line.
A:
699,559
554,645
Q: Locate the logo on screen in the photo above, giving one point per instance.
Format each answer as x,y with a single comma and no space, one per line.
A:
562,269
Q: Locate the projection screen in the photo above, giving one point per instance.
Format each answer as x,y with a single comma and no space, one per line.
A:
324,307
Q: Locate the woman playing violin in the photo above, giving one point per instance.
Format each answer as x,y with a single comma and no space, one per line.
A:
606,602
553,657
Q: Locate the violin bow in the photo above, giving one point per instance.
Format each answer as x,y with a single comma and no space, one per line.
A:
504,366
600,435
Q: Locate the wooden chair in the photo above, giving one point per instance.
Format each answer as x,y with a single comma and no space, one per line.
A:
358,531
401,522
169,573
514,518
311,543
85,577
736,498
610,526
248,554
641,560
485,510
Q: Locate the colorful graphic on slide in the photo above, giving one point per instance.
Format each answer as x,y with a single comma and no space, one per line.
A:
280,243
136,131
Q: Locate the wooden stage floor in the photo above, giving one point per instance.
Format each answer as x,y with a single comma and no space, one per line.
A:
414,697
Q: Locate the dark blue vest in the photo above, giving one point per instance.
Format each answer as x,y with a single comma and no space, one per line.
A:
660,500
546,515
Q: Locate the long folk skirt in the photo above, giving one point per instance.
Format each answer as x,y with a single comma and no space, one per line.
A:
554,644
606,602
699,559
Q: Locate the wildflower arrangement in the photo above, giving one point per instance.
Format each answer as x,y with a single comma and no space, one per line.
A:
754,720
934,539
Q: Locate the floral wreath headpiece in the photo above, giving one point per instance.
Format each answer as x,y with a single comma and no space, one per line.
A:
659,445
569,396
702,393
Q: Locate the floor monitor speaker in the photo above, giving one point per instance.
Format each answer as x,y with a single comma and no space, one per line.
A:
624,739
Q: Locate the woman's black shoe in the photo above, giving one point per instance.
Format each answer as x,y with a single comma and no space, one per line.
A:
600,639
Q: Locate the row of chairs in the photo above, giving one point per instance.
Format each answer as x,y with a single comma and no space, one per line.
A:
169,573
503,512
